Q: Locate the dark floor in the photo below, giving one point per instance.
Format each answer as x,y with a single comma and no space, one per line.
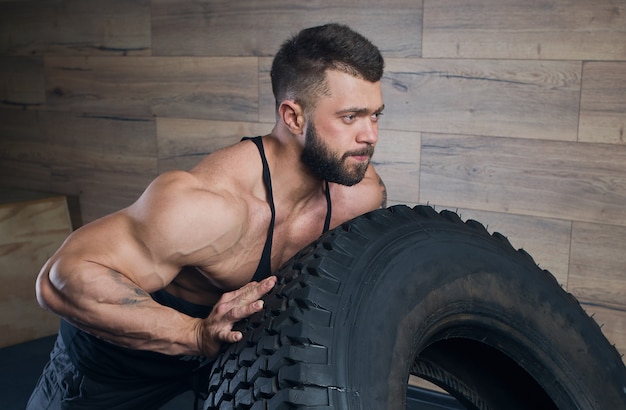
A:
21,365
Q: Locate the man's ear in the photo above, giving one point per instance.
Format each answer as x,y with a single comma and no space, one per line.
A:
292,115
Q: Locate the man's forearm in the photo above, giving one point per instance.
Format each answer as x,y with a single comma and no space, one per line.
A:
108,305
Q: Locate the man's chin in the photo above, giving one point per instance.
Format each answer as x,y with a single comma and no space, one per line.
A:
352,179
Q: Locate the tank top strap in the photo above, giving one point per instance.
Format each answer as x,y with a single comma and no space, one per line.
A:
264,269
329,208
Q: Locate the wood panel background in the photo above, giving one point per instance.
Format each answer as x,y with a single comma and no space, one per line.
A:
32,227
510,111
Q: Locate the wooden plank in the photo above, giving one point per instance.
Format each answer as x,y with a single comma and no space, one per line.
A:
85,141
182,143
104,192
30,232
21,82
110,159
24,156
425,384
528,99
613,324
107,160
21,137
552,179
75,27
603,103
397,160
19,174
521,29
546,240
267,103
200,87
227,28
598,264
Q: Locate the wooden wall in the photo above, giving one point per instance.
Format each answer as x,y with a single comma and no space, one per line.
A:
510,111
32,227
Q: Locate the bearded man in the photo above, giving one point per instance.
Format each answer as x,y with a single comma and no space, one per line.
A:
149,294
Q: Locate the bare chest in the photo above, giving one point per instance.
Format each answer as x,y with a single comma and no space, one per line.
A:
237,265
276,244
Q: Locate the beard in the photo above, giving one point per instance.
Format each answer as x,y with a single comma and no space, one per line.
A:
330,166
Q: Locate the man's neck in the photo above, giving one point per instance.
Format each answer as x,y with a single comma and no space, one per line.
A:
292,180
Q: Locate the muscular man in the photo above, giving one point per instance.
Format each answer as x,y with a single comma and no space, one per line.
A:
149,294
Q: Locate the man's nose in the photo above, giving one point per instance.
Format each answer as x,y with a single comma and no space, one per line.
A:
369,133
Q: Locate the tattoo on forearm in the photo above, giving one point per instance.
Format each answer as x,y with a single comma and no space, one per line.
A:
382,185
141,297
140,294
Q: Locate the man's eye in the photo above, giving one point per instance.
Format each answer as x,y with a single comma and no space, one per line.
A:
349,117
377,116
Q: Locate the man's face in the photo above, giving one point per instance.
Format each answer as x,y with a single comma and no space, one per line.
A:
330,165
343,129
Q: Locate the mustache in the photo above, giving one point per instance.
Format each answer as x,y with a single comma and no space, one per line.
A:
369,151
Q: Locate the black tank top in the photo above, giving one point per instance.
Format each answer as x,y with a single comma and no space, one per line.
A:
110,363
264,269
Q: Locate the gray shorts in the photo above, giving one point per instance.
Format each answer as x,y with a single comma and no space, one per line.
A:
63,386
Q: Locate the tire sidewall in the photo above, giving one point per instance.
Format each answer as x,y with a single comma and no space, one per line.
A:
395,304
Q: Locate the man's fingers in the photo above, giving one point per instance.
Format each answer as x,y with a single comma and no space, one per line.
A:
250,291
234,315
239,308
247,295
234,337
264,286
231,308
243,311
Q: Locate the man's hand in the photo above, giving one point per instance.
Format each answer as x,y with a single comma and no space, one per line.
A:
233,306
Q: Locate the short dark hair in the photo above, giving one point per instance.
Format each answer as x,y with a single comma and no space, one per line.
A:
299,68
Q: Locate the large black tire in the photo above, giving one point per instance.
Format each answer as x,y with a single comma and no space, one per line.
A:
404,291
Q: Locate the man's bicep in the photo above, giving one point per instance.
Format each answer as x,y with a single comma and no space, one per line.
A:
127,243
113,245
182,224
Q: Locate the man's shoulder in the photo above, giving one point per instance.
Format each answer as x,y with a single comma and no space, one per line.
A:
351,201
229,166
190,195
180,216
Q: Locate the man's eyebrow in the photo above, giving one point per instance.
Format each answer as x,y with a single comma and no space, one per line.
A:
360,110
